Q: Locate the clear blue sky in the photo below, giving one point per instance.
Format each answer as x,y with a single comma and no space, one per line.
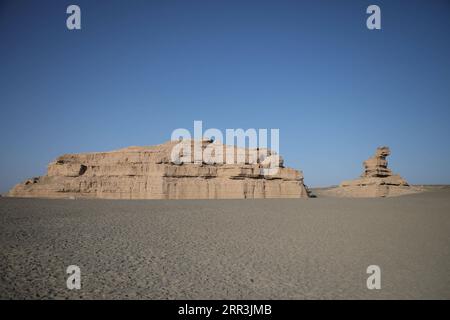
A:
139,69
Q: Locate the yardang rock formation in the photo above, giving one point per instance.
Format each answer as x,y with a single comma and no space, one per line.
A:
149,173
377,180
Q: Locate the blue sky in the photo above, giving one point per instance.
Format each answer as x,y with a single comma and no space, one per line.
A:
140,69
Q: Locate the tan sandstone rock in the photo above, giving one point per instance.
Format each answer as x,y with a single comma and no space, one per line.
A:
377,180
151,173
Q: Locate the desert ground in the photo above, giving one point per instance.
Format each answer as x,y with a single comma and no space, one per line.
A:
316,248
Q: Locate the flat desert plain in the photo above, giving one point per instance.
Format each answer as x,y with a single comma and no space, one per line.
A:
316,248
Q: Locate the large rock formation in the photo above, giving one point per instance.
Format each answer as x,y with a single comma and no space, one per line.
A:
153,173
377,180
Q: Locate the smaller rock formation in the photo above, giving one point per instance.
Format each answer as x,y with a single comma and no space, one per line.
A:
377,180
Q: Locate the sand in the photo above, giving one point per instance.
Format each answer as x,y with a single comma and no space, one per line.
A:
227,249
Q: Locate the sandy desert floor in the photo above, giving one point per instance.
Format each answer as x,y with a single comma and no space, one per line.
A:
227,249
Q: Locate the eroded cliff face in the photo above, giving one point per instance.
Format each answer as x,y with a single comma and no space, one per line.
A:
377,180
152,173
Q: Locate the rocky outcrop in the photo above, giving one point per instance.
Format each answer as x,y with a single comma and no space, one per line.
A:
377,180
221,172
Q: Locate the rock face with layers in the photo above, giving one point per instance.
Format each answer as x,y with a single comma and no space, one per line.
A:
152,173
377,180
